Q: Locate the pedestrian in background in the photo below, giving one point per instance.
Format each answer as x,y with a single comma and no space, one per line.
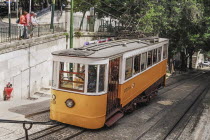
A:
22,24
34,23
28,24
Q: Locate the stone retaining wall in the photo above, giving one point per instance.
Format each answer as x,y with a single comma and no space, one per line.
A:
28,60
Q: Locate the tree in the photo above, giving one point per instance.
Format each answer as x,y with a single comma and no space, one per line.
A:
185,22
84,6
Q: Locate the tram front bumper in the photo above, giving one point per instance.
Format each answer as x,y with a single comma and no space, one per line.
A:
88,111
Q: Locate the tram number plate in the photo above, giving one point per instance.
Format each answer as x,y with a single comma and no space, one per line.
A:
129,87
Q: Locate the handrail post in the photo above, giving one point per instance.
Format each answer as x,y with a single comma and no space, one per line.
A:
26,129
38,30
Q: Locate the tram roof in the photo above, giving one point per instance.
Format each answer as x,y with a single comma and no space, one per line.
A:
109,49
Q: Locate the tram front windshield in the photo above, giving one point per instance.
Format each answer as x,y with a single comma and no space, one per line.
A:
72,77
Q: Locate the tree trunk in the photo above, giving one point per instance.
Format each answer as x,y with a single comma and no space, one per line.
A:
32,5
81,23
190,60
191,52
183,61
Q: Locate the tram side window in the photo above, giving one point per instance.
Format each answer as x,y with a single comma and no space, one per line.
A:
101,78
72,76
143,61
154,56
149,59
159,54
92,78
165,51
137,60
128,68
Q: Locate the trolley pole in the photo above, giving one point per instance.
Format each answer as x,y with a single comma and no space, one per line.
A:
71,24
9,17
52,15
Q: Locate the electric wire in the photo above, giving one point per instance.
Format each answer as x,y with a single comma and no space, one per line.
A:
111,15
104,11
112,7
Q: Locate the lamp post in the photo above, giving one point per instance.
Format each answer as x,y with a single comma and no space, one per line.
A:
52,15
17,8
30,6
9,17
72,24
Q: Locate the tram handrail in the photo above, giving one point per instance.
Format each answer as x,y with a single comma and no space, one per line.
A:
26,122
29,123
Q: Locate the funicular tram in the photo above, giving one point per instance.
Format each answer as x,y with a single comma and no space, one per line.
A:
95,85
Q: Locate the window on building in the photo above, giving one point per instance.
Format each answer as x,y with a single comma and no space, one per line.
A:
128,68
72,76
165,51
137,60
149,59
143,61
159,54
92,78
154,56
101,78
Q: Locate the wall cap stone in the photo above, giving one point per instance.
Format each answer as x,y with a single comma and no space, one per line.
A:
22,44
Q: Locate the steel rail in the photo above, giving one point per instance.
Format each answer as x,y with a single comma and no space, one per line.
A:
164,135
180,83
195,108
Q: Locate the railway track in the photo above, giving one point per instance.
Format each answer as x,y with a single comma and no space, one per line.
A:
180,82
164,128
191,117
60,131
170,125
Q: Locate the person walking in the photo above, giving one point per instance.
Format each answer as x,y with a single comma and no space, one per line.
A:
22,24
34,22
28,24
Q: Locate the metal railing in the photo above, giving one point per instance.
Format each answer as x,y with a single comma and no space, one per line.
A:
34,31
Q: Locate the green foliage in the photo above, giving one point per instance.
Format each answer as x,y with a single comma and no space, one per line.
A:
185,22
82,6
78,34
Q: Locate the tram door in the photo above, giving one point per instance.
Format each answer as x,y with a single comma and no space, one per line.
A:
113,101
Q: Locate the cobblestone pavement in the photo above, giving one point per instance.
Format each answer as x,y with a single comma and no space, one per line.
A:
130,127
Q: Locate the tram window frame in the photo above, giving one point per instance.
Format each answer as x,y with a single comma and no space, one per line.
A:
159,54
154,56
70,73
94,88
55,74
136,64
131,67
149,64
101,80
165,51
143,63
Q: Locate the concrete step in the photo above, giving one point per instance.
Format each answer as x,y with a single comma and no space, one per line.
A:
114,119
41,94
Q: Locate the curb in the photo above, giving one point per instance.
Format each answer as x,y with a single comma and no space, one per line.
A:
37,113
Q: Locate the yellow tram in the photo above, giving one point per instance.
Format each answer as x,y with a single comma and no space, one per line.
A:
95,85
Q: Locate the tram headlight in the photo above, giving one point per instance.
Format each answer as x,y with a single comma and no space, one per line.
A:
70,103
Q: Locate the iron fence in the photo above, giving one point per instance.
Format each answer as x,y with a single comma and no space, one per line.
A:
34,31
